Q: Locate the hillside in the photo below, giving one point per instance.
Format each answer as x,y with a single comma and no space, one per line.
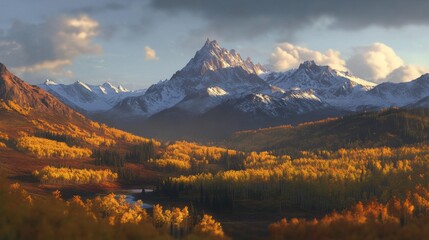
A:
37,130
392,127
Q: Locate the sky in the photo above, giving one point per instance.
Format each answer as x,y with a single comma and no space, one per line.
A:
137,43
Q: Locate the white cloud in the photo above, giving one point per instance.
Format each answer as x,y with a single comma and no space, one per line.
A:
374,62
287,56
150,54
406,73
48,48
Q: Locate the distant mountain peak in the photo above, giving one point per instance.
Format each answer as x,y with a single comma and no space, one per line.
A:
310,66
119,89
50,82
82,84
123,89
108,84
212,57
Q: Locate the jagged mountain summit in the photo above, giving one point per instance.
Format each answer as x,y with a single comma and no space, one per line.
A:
212,57
326,82
89,98
217,87
211,77
218,92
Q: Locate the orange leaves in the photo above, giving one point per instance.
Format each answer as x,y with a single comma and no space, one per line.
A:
42,147
115,208
98,135
353,223
171,164
3,138
13,106
323,180
209,227
395,220
54,175
117,134
261,160
167,217
182,155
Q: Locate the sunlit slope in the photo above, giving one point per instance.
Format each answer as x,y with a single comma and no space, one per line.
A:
391,127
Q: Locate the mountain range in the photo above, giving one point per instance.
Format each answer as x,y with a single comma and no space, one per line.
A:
218,92
89,98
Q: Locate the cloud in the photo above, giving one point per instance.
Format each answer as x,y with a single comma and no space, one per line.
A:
287,56
50,46
243,18
99,8
374,62
406,73
49,69
150,54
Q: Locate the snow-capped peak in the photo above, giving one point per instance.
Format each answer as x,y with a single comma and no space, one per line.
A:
212,57
79,83
89,97
50,82
108,87
122,89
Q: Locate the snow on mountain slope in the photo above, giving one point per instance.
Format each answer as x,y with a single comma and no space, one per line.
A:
388,95
212,57
326,82
291,103
86,97
217,81
398,94
192,88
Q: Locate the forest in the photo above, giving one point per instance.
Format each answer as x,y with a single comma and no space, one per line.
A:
321,190
25,216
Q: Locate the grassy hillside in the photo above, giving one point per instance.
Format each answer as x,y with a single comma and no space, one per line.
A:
391,127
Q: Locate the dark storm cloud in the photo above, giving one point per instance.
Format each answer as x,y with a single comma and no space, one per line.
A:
59,38
252,18
100,8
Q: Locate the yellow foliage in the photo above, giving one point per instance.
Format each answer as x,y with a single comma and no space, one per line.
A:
176,220
171,164
23,110
124,136
106,136
42,147
360,221
209,227
340,177
186,151
97,141
53,175
3,105
263,160
116,209
181,155
4,136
